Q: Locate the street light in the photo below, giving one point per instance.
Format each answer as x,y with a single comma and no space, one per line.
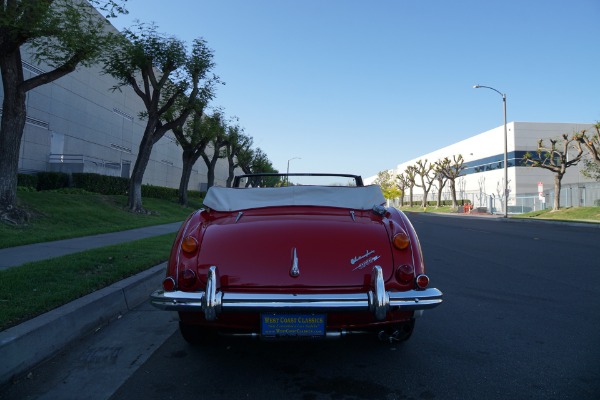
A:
505,148
287,175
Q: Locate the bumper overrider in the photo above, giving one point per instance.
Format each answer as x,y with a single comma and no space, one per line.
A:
377,300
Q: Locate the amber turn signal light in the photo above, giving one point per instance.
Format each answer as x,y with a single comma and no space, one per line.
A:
401,241
189,244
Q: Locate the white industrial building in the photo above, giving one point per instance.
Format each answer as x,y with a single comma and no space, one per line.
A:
482,182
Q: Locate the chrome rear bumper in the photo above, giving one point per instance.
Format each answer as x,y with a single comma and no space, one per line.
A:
377,300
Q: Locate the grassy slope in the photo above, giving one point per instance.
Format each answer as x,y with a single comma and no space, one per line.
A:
34,288
60,216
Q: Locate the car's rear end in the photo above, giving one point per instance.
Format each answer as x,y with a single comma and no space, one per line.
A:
297,270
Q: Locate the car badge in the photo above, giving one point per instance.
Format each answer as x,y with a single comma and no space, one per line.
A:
295,271
364,260
363,256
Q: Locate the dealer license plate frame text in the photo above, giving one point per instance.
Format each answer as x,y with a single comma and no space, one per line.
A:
292,325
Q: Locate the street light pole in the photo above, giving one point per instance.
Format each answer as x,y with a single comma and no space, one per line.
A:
287,174
505,148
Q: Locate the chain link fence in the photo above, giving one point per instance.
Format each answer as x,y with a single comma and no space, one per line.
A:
571,195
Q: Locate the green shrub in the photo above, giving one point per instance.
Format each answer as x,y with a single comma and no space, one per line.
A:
116,185
159,192
195,194
433,203
103,184
71,191
26,189
52,180
27,180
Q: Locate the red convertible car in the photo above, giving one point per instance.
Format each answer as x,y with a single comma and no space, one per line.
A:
275,258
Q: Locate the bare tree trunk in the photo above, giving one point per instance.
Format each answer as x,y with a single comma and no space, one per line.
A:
453,192
11,133
137,175
211,164
189,158
425,196
557,187
231,171
210,174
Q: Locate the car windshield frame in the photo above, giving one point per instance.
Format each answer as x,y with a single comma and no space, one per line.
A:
283,179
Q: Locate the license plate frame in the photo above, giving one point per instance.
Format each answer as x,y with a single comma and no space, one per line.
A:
292,325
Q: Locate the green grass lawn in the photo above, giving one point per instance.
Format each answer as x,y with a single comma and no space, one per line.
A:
58,216
34,288
581,214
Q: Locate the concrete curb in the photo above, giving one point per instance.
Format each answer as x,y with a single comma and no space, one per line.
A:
34,341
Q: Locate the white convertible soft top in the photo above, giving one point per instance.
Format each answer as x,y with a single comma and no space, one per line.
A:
352,197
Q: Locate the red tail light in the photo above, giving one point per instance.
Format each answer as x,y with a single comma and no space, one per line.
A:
169,284
405,274
422,281
188,278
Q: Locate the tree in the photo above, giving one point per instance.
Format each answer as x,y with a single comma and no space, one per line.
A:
452,169
217,140
237,147
423,170
193,137
410,174
591,169
556,160
441,182
389,188
591,142
260,164
162,73
62,35
402,183
244,159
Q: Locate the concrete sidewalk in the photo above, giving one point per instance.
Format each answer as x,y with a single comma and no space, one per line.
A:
34,341
15,256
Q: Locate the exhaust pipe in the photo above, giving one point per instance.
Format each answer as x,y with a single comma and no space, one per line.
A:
400,333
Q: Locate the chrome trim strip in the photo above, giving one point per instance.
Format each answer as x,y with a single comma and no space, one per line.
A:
377,300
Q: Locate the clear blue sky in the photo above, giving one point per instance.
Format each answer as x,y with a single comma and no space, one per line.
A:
360,86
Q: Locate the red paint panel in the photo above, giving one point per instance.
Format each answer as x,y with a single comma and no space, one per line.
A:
257,251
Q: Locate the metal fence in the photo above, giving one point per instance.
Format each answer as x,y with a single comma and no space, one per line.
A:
571,195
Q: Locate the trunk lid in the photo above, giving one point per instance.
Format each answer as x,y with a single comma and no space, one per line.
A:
329,250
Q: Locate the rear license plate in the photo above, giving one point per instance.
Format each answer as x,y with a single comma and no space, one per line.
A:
292,324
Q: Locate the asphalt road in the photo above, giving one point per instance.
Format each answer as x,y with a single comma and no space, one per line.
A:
520,320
